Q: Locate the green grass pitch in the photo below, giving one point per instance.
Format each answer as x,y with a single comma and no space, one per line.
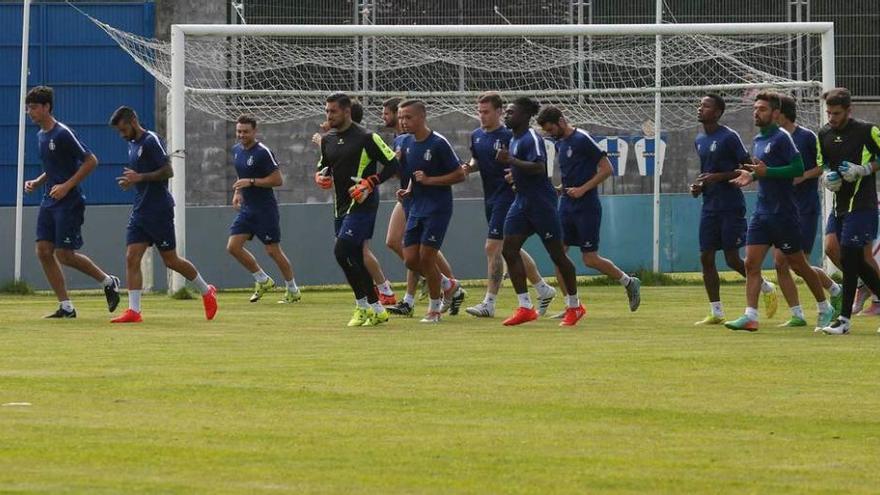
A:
272,398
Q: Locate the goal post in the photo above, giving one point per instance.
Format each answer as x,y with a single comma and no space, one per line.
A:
179,90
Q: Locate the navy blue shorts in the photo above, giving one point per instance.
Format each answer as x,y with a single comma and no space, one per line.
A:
356,227
854,229
428,231
153,230
265,227
62,226
781,231
496,213
809,227
525,220
581,228
722,230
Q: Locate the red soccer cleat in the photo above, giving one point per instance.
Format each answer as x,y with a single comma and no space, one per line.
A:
210,302
572,316
129,316
387,300
521,315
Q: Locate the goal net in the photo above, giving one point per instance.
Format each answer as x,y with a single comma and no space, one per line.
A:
606,80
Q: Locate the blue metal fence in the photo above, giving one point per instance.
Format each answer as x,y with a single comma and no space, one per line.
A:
91,76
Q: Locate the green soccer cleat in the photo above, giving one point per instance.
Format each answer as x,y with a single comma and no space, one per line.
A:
261,288
824,320
837,303
771,302
290,297
792,322
742,323
360,316
710,320
376,319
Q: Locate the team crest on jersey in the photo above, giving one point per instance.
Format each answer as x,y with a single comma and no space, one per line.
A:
568,152
250,162
140,151
767,148
838,139
497,145
427,155
714,146
51,145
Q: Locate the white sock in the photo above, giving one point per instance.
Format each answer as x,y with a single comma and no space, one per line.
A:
107,282
572,301
525,301
543,288
445,282
434,306
409,298
752,313
766,286
824,306
291,285
489,300
134,300
260,276
716,308
67,305
377,307
835,289
200,283
362,303
797,312
385,288
624,280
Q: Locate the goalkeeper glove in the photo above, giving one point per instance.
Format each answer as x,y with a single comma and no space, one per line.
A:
832,181
361,191
851,171
323,178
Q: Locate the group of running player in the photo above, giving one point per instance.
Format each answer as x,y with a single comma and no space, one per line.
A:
787,161
520,200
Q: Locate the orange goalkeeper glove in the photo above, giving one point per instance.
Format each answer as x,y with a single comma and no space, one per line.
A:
364,187
323,179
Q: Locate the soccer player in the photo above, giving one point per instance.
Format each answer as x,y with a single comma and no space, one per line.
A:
498,195
351,153
66,163
383,286
849,150
431,163
258,213
806,193
533,211
397,227
776,162
152,214
583,167
723,215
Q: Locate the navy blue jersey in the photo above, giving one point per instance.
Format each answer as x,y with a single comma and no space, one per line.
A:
404,176
578,156
807,192
484,147
256,162
530,147
147,154
775,149
62,154
721,151
435,157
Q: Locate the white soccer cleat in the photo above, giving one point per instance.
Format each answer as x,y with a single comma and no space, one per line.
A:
481,310
839,326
